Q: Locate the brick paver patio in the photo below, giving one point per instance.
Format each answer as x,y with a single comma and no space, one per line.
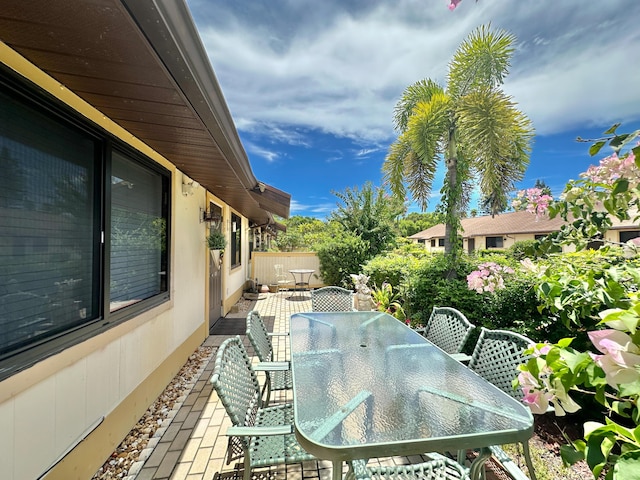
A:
193,445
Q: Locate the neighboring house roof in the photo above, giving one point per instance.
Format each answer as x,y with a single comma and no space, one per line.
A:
511,223
142,64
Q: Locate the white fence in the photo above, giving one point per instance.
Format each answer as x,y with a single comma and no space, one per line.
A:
263,266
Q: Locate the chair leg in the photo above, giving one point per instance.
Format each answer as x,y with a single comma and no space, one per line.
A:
266,387
247,468
527,459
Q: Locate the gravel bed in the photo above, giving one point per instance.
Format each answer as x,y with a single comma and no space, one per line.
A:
128,458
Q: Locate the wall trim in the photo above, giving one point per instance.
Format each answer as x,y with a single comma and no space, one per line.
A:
88,456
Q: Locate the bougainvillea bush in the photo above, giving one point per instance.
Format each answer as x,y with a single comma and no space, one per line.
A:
560,374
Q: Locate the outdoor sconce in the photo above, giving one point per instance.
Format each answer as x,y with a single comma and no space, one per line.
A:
188,187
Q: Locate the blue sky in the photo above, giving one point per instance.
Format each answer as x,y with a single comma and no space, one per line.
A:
312,85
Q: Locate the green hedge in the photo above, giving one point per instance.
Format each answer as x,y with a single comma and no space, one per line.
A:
340,258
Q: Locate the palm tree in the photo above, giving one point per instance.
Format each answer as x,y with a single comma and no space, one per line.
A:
472,125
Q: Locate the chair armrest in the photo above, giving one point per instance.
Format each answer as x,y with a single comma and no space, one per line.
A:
271,366
461,357
259,431
278,334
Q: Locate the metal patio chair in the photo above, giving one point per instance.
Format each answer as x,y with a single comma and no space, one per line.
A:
495,358
438,467
282,278
263,436
277,374
449,329
332,299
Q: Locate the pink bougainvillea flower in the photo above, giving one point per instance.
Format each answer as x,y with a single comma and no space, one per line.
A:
561,401
454,4
612,341
541,349
620,356
535,398
617,374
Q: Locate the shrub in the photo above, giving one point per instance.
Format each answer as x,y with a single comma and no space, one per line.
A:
515,307
392,268
428,287
341,257
518,251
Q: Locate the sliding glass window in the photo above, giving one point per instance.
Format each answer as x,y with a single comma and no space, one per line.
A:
79,250
138,233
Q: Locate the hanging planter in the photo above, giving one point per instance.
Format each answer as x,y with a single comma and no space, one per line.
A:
216,242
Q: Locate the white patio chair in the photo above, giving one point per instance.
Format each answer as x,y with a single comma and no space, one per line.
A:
282,278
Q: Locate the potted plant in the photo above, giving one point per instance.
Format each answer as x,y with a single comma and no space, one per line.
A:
216,242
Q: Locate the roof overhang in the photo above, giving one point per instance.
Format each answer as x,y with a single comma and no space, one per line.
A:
143,65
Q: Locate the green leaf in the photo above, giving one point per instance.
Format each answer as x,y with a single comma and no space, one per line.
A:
636,153
621,408
620,186
629,389
565,342
595,459
570,455
618,140
628,466
595,148
612,129
590,427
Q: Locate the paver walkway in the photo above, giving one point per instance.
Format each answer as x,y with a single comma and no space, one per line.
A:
193,445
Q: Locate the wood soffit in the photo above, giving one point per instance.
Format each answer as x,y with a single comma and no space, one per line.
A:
142,64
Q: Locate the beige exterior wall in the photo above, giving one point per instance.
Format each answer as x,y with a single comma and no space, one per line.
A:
112,378
507,241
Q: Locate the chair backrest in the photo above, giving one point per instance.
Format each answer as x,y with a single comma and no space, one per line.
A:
281,276
259,337
331,299
236,382
496,357
448,328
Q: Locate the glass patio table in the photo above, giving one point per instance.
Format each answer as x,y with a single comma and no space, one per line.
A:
365,385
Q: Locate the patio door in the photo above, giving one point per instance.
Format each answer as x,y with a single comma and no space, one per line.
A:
215,274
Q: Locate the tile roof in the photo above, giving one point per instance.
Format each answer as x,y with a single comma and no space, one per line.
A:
508,223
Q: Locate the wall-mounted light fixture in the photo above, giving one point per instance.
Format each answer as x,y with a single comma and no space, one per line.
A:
188,186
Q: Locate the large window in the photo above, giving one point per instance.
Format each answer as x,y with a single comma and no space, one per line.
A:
628,235
493,242
76,245
138,233
236,240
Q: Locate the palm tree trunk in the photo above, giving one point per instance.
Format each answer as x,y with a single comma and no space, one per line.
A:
452,220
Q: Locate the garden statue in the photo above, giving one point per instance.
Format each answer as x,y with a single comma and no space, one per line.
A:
363,302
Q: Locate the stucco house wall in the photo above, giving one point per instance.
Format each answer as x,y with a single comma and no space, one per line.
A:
511,227
63,415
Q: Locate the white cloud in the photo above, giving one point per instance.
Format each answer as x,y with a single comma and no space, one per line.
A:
291,68
268,155
340,67
323,208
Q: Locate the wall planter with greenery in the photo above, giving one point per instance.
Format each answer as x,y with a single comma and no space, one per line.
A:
216,242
